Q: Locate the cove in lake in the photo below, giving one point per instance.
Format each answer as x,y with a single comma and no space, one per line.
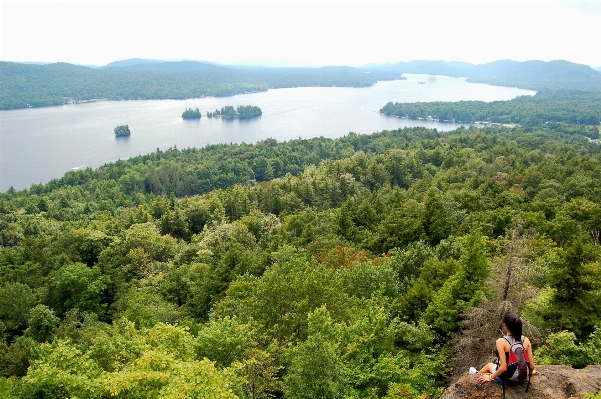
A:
37,145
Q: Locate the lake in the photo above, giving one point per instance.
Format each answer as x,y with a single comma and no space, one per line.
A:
39,144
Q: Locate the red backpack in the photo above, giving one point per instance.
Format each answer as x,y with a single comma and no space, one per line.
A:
518,364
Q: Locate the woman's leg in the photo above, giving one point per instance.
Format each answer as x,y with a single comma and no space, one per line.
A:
488,368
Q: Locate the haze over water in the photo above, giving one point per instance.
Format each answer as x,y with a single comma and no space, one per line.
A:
37,145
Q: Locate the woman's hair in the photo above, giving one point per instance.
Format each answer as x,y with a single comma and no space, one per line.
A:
514,325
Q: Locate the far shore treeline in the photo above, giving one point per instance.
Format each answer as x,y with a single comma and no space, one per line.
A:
28,85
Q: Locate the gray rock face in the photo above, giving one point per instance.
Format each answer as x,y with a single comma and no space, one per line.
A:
552,382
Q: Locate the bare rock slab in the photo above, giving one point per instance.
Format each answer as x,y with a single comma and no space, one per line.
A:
552,382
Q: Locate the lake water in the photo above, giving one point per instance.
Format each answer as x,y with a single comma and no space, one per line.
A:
37,145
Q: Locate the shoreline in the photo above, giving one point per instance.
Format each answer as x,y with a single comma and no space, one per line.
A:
72,101
485,123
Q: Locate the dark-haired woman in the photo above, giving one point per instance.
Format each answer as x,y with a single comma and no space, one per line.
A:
513,325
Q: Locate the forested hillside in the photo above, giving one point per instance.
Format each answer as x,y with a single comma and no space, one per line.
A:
28,85
371,266
539,75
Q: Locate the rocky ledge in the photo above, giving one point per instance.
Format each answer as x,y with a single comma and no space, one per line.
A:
552,382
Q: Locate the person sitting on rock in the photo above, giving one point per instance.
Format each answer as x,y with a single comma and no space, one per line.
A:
515,355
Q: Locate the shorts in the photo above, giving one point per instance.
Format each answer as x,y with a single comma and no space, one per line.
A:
498,378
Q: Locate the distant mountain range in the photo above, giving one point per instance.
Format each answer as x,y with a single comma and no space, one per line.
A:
137,64
143,62
33,85
535,75
132,61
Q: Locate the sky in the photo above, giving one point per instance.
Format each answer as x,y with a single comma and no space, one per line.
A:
307,33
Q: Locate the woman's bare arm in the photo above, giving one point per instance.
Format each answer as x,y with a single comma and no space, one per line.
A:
528,347
502,359
501,349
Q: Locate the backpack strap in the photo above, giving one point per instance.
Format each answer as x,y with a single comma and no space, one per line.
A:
529,373
512,341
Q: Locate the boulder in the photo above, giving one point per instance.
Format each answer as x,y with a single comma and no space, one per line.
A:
551,382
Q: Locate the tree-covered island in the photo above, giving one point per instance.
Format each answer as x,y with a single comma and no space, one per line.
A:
122,130
190,113
241,112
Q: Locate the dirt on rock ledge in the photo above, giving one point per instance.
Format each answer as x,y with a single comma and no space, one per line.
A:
551,382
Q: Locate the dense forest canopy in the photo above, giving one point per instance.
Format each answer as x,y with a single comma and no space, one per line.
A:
367,266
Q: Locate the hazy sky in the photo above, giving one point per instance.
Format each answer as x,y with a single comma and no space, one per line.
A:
300,33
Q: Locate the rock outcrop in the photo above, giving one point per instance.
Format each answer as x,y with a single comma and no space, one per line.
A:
552,382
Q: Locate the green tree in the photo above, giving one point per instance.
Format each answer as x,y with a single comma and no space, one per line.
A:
561,348
78,286
263,169
42,323
463,289
225,341
401,227
437,223
259,372
156,362
316,370
16,300
576,283
14,361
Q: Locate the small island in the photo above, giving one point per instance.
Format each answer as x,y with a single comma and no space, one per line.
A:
122,130
190,113
241,112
